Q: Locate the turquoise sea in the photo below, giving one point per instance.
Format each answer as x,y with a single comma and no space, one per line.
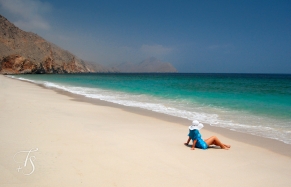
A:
258,104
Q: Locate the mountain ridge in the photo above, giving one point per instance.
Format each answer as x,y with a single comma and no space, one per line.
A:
149,65
24,52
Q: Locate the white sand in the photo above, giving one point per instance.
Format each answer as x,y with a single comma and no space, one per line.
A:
81,144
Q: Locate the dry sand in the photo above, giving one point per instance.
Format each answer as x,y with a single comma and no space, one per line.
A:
96,144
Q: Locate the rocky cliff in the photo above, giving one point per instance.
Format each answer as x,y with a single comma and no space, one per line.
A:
26,52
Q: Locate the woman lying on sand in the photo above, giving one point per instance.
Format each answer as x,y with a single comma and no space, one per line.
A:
198,142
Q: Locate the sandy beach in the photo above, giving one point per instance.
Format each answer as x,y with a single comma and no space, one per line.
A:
75,141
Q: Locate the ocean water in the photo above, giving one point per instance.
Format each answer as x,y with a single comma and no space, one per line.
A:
258,104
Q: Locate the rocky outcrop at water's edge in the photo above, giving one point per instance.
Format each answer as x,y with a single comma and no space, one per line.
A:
26,52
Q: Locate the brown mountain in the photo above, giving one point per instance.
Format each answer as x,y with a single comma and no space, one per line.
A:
150,65
26,52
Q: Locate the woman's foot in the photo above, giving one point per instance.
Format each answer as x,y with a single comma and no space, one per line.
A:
224,147
228,146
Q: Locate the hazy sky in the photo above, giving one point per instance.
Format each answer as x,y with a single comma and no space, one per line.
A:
234,36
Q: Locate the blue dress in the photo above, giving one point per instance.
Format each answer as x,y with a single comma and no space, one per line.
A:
195,135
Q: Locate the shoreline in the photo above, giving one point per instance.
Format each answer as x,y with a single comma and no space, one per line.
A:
273,145
80,142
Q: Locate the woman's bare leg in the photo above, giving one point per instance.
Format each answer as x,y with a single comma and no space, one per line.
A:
214,140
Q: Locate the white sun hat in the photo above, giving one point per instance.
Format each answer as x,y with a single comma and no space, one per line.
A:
196,125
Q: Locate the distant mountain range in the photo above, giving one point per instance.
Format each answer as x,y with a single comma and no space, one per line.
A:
147,66
25,52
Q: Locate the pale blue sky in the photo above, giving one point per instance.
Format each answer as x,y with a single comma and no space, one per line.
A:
226,36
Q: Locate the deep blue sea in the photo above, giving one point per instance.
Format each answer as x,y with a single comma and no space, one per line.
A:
258,104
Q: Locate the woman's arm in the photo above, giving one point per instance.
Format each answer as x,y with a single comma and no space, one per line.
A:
187,141
194,143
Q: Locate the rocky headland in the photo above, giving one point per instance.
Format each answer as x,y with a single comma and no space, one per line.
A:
25,52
